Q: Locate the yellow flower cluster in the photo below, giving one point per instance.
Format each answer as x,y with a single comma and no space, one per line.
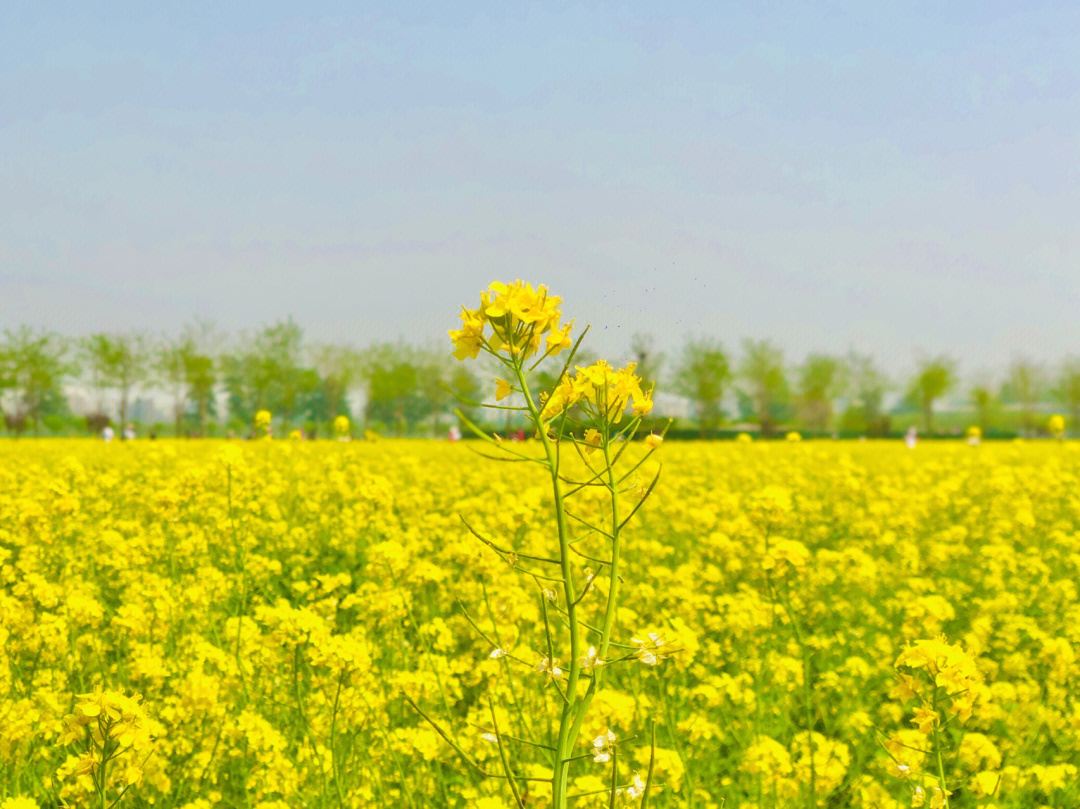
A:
521,321
602,391
341,426
949,668
116,732
275,603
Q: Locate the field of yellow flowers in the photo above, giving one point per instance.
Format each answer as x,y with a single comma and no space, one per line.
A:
261,624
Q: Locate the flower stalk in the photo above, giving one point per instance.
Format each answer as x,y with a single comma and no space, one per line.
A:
520,327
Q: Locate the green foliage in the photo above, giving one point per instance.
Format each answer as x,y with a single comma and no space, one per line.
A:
410,390
821,379
117,362
1068,390
465,388
266,373
762,370
393,374
1025,385
187,366
985,402
934,378
339,369
36,364
701,373
867,386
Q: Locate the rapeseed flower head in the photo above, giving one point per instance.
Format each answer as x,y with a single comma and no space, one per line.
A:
948,665
549,667
591,659
119,734
653,650
601,391
602,746
515,319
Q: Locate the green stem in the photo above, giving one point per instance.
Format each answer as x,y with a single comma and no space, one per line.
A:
809,697
426,650
103,770
567,738
937,751
238,548
611,606
652,761
303,716
613,589
334,765
375,719
505,759
808,691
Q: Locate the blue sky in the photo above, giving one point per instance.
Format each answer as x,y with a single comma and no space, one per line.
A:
830,175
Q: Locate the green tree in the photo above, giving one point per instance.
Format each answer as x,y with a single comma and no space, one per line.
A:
129,369
37,364
867,387
1024,386
340,370
934,378
201,377
265,371
434,384
821,379
98,356
169,370
701,373
235,373
188,368
114,362
392,377
983,399
465,388
7,379
1068,390
763,371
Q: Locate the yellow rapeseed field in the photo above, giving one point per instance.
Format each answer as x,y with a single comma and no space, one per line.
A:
226,624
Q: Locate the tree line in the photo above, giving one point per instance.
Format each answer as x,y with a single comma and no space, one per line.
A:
212,383
771,394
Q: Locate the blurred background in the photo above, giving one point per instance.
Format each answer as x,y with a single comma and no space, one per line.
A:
840,218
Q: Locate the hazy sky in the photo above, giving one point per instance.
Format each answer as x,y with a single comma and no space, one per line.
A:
829,174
